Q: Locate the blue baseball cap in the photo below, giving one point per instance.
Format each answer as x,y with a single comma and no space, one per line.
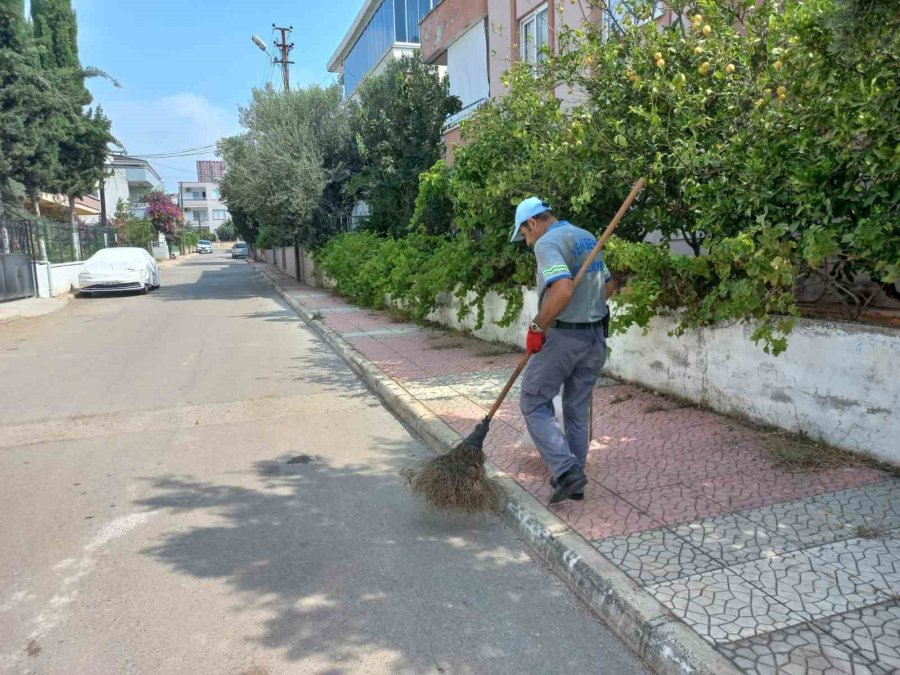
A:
527,208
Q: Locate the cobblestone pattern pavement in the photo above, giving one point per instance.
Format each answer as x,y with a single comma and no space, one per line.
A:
781,572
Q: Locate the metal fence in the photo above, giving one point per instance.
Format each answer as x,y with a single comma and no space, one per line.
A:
17,277
57,242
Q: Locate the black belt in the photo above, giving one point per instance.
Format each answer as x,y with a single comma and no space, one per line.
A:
576,326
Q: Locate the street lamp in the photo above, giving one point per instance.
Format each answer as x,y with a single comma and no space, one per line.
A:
258,41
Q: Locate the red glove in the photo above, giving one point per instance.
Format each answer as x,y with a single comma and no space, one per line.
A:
534,341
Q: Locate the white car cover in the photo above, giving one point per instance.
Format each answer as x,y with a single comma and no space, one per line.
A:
119,265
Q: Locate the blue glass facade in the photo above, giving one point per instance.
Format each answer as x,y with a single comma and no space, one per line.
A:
393,21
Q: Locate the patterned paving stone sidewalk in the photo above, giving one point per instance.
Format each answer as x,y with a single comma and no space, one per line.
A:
781,572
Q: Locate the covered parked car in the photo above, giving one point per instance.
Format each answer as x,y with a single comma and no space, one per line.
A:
112,270
204,246
240,250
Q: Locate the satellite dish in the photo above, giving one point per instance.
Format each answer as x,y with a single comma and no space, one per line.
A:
259,42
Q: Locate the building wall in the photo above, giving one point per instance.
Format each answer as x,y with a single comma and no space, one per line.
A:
467,60
504,17
116,188
210,170
382,24
119,186
208,205
452,138
446,23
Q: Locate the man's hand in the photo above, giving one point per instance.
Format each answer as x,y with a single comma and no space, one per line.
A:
534,341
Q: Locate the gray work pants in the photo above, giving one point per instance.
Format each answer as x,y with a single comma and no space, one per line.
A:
571,359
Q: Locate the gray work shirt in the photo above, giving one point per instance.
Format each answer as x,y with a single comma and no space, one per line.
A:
560,254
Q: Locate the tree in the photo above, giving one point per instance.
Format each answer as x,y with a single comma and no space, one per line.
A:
398,128
226,231
768,134
288,168
81,136
245,225
27,106
162,213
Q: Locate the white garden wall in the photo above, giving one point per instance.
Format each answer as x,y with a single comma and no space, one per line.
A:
837,382
57,278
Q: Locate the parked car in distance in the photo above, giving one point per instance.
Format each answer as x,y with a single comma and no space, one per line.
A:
240,250
204,246
112,270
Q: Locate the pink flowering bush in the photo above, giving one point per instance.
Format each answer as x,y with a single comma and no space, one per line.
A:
164,215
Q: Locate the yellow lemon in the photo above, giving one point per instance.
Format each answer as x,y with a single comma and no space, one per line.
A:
704,68
698,50
777,65
729,68
657,56
707,30
697,18
660,63
781,90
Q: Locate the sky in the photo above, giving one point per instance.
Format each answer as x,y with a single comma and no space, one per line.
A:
186,65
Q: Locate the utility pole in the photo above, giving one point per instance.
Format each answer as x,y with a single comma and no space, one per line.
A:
285,50
181,208
103,222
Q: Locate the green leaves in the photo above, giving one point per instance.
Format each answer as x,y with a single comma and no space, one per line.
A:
397,125
767,150
289,168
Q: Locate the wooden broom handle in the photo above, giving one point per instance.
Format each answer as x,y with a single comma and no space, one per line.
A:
509,383
607,233
614,223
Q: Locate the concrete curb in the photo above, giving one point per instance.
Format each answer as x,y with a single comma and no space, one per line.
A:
666,644
176,261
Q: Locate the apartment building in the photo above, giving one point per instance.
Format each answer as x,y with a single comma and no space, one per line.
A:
478,40
202,204
382,30
130,179
210,170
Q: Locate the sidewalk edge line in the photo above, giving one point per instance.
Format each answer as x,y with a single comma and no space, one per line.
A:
664,642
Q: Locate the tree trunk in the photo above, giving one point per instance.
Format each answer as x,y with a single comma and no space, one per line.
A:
36,202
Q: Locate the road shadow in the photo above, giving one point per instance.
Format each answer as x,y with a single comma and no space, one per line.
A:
347,566
218,280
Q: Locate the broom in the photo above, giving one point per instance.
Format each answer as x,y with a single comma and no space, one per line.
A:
457,480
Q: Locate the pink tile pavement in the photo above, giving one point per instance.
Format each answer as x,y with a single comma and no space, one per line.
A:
653,462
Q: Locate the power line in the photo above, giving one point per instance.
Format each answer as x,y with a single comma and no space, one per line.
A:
194,153
166,152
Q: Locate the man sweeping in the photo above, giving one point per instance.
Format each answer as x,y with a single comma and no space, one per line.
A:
567,343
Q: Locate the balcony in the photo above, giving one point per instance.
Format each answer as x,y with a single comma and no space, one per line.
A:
443,25
455,120
140,176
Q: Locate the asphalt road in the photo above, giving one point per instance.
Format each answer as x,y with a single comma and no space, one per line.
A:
193,482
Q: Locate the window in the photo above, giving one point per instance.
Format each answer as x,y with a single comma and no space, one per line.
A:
393,21
197,194
533,36
198,216
219,214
